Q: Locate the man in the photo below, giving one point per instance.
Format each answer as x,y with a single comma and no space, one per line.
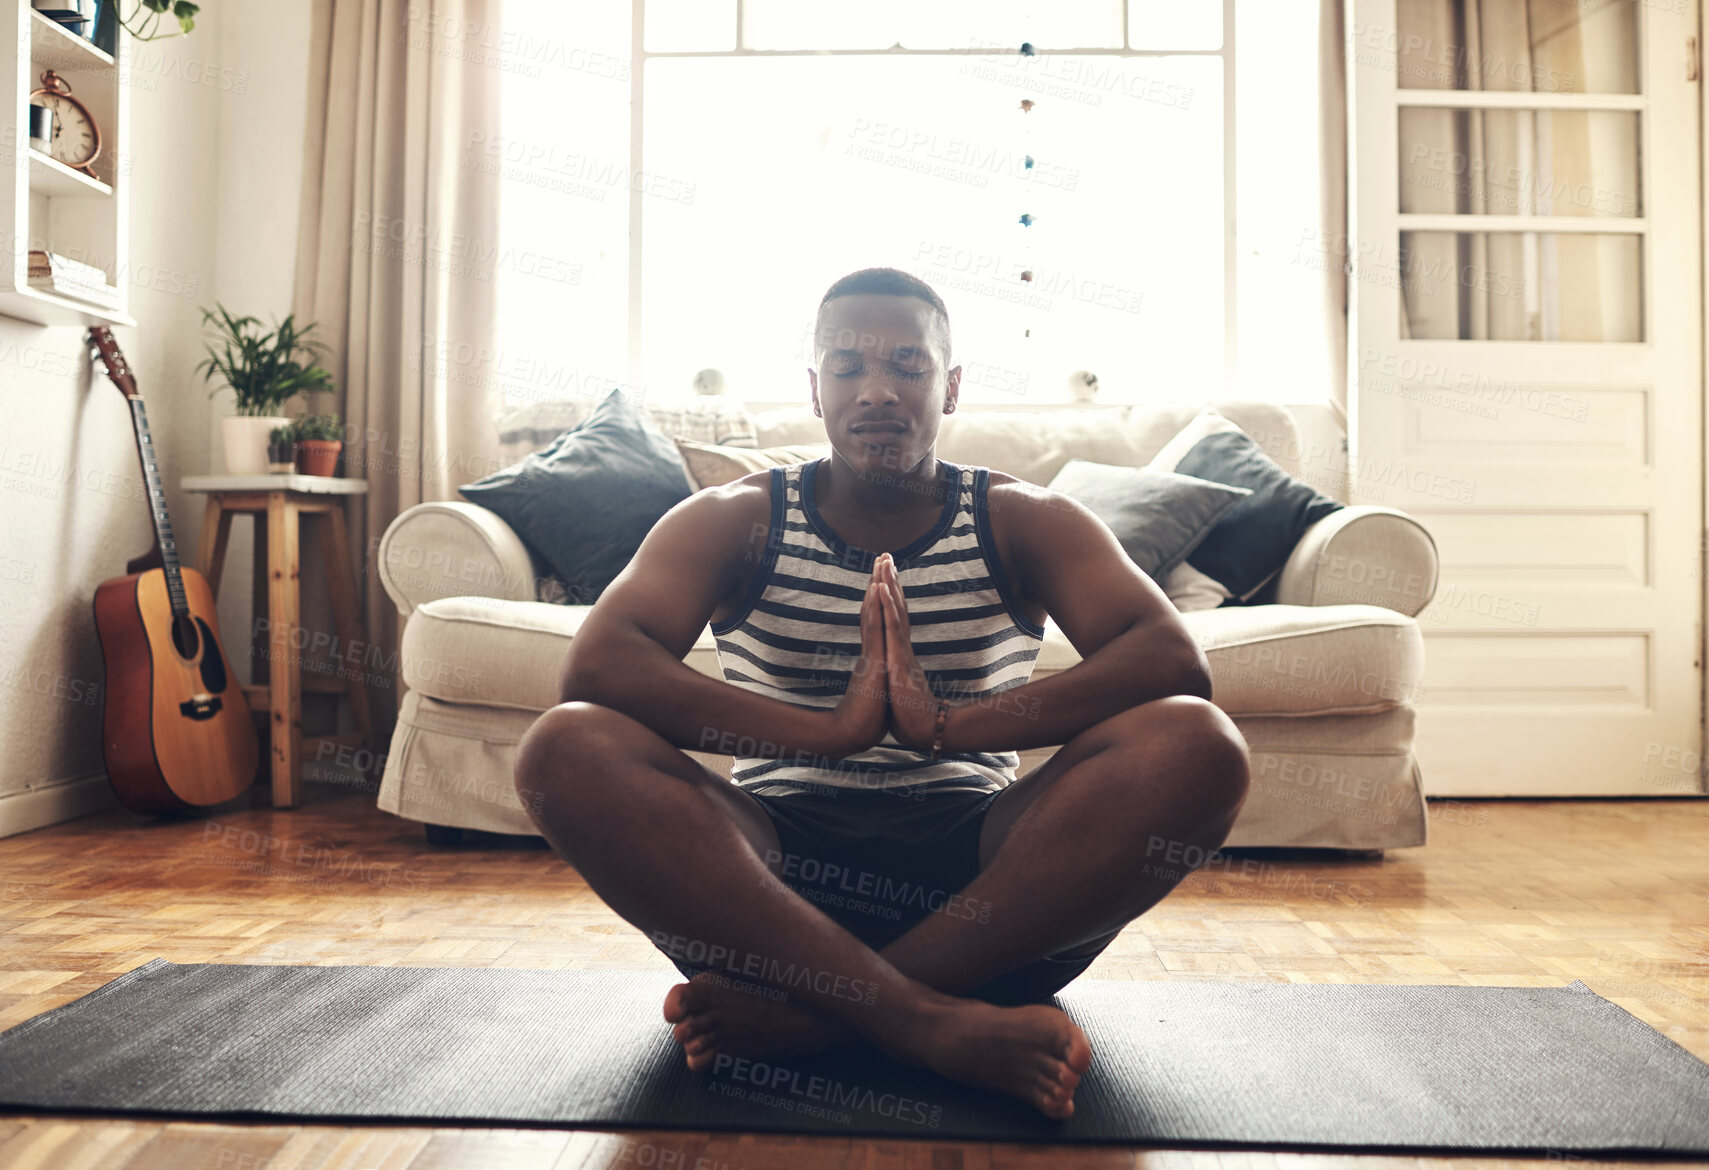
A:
877,871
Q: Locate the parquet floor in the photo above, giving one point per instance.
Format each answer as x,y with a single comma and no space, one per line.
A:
1523,893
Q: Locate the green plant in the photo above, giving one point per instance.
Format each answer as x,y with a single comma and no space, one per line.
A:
263,369
142,29
318,426
284,434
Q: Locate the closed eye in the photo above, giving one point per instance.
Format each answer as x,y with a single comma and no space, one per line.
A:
906,375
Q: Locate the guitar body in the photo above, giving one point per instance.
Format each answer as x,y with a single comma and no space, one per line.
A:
176,729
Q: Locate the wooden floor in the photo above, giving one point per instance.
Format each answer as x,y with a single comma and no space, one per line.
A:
1511,893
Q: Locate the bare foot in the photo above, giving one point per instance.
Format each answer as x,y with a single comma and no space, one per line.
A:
1034,1052
714,1013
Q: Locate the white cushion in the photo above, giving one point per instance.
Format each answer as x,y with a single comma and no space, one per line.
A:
1265,659
494,653
1292,659
1191,590
1310,659
1034,445
709,418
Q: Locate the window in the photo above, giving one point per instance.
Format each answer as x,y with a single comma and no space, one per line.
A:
828,137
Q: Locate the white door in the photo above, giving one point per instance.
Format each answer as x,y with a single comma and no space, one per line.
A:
1526,376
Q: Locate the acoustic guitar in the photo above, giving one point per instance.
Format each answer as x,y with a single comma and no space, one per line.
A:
177,733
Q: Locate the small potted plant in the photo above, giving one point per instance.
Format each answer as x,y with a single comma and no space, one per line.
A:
263,369
319,439
281,449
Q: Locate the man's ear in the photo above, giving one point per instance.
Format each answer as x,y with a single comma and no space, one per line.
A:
813,386
954,390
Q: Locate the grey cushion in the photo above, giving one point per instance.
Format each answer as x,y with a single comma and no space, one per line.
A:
587,501
1158,516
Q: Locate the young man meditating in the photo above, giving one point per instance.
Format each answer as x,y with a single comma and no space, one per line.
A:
877,870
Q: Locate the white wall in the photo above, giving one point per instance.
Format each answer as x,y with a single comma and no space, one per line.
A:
216,122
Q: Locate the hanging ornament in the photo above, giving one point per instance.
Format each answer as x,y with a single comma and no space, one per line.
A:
1083,387
1026,50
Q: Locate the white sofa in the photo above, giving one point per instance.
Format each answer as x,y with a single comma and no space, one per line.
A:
1322,677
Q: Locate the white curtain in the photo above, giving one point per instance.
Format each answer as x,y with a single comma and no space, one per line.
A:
397,258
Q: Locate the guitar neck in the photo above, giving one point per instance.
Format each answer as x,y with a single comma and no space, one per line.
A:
163,537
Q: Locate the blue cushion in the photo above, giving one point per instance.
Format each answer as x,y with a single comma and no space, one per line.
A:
1250,544
586,502
1158,516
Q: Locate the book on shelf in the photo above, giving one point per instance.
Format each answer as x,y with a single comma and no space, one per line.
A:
51,272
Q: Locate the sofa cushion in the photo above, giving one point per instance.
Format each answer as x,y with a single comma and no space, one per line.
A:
1293,659
788,426
1034,444
1159,517
587,501
1251,543
1190,589
711,465
1265,660
1310,659
494,653
707,418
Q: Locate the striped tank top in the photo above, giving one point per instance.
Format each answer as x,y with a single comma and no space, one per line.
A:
796,634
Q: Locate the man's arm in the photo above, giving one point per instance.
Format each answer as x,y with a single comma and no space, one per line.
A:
628,653
1133,645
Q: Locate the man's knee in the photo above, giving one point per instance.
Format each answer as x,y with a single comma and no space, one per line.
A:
561,747
1207,752
1225,770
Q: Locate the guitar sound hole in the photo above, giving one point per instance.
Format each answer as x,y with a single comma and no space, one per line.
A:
213,668
184,635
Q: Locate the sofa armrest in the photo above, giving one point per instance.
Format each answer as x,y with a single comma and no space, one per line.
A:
1362,554
450,548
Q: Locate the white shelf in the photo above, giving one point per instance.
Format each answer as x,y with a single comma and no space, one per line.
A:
46,205
52,177
53,46
46,308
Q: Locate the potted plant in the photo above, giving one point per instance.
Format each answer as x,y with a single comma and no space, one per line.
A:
263,369
319,439
281,450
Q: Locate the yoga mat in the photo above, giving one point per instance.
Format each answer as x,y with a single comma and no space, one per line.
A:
1255,1064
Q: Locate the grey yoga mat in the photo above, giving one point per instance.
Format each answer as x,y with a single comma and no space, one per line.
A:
1256,1064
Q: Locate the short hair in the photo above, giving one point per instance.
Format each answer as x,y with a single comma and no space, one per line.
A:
890,282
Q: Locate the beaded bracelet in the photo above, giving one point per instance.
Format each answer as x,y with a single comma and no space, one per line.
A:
938,729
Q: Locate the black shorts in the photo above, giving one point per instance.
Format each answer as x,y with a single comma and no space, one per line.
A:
877,861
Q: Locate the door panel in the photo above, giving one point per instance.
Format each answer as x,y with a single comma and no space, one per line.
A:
1527,332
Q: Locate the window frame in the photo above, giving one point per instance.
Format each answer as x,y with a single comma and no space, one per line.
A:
639,56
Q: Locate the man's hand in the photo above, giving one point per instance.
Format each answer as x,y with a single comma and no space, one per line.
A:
913,709
859,718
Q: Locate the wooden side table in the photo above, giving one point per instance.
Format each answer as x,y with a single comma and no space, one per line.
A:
279,504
